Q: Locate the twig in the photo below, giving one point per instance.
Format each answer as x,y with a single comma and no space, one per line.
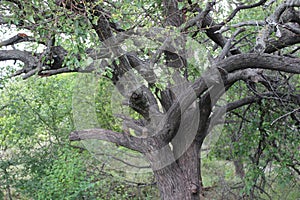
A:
228,45
199,18
285,115
241,24
242,7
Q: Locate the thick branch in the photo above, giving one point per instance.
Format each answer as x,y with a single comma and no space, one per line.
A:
262,61
127,141
288,39
20,37
242,102
26,57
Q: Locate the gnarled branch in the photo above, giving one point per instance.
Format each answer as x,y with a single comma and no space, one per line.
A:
128,141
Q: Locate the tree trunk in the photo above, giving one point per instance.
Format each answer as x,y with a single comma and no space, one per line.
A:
180,180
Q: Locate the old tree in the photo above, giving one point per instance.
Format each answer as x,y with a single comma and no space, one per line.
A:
154,51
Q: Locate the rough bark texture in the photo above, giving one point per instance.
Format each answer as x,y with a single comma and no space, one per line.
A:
172,183
180,180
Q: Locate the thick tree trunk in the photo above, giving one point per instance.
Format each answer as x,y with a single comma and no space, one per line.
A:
173,184
181,180
190,165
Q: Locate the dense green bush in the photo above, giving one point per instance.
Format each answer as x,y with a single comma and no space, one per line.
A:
38,161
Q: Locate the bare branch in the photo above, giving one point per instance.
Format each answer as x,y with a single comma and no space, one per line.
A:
127,141
262,61
245,75
26,57
239,8
241,24
200,17
228,44
292,28
125,162
56,71
242,102
285,115
20,37
31,73
288,39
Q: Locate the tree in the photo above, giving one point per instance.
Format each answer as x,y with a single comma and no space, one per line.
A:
177,106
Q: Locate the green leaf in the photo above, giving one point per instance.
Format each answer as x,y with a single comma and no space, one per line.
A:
181,5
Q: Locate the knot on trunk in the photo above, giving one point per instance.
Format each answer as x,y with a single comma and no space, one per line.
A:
194,188
74,136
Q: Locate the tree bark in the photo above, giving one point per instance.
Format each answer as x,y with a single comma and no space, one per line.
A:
172,183
181,178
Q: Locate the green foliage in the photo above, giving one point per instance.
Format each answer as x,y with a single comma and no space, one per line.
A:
64,178
268,151
33,124
37,160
